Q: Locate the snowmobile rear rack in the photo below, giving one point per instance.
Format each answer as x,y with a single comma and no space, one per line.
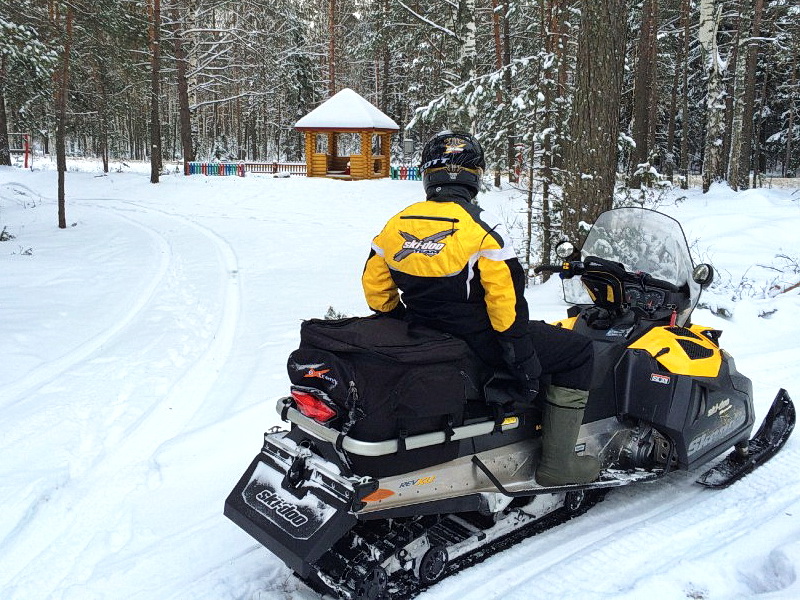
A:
386,447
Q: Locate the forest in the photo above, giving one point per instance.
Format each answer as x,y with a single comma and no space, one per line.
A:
571,100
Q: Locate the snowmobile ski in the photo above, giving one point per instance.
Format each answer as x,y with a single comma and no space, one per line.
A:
768,440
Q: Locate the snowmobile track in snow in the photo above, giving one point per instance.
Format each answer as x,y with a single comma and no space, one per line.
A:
116,432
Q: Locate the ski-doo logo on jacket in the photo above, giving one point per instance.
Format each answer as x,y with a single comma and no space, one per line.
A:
430,245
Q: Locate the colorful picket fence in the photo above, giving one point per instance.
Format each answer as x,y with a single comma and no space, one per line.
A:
276,167
223,168
408,173
214,168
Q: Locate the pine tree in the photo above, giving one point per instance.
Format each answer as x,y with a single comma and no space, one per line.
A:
26,65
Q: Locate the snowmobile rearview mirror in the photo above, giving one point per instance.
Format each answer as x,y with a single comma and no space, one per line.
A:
703,274
565,249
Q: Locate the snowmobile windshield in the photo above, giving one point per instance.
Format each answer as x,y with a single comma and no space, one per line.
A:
642,240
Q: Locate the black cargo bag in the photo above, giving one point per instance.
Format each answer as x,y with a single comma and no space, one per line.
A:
388,380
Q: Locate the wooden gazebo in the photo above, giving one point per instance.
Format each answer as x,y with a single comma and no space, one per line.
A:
368,131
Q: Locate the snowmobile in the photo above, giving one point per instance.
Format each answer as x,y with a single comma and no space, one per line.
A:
406,460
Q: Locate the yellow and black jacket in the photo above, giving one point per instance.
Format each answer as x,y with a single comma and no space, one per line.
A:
456,270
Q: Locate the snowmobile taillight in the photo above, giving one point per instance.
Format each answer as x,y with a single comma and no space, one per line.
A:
313,407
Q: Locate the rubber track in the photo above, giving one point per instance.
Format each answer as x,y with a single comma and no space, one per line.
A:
405,586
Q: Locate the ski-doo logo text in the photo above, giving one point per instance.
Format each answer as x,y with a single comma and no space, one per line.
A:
429,246
280,507
720,407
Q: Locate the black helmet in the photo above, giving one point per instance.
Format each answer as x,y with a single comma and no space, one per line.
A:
452,158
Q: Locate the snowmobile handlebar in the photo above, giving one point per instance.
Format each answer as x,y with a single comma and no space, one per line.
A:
569,269
648,279
565,270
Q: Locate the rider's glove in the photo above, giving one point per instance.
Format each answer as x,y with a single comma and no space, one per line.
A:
527,373
526,370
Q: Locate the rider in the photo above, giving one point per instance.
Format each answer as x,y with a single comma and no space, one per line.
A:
457,272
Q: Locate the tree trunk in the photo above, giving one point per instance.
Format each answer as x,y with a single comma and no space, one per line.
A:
555,43
99,76
331,47
669,165
787,163
61,86
529,217
184,109
103,118
385,57
467,59
644,84
512,129
735,96
5,151
710,14
748,101
684,161
155,91
757,135
498,65
594,122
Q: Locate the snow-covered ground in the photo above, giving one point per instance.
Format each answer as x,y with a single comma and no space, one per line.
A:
142,350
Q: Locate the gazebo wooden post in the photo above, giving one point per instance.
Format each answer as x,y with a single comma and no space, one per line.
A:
365,158
333,149
386,152
311,147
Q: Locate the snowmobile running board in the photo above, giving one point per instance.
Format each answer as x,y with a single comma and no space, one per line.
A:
609,478
768,440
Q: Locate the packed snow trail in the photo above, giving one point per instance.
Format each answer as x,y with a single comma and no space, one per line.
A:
144,348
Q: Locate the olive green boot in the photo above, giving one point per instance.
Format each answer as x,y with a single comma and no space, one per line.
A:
561,422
